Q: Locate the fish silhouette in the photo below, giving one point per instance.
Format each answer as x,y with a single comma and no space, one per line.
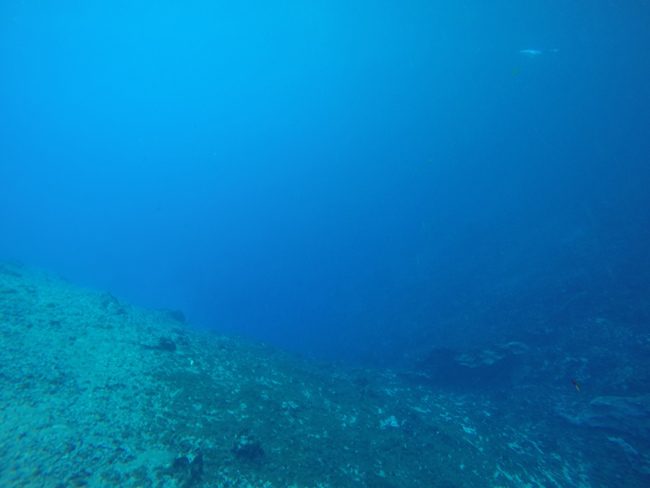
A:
535,53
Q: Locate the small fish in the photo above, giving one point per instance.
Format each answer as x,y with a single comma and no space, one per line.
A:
531,53
576,384
535,53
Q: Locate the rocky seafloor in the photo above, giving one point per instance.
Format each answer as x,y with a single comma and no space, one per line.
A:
95,392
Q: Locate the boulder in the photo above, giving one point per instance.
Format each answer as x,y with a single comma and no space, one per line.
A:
501,364
625,415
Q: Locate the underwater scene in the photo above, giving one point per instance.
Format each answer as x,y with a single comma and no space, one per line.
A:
324,244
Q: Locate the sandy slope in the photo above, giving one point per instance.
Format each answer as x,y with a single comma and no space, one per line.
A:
95,392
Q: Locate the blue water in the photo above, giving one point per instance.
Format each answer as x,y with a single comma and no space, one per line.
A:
350,180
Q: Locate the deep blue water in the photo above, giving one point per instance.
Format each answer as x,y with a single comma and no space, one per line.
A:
353,180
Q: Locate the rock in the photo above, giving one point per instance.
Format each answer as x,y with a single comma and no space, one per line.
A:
187,470
247,448
164,344
498,365
627,415
175,315
112,304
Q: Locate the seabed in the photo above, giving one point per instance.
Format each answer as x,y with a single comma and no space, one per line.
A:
95,392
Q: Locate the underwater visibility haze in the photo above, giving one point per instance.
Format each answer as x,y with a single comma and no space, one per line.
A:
451,199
